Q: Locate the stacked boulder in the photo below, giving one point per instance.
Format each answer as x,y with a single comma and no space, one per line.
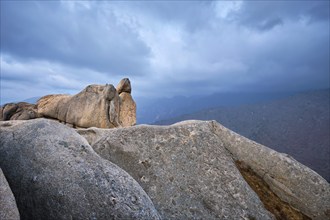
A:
127,113
99,106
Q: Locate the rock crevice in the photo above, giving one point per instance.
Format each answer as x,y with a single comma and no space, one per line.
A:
290,180
279,208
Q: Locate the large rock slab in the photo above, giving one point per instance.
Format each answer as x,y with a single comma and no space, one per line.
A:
293,182
8,207
185,169
95,106
55,174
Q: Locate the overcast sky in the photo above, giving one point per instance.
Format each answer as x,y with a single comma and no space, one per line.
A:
166,48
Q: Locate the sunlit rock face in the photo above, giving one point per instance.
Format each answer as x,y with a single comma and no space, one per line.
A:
101,106
95,106
127,114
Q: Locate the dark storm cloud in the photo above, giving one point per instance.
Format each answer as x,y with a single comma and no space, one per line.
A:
166,48
264,15
190,15
269,24
71,34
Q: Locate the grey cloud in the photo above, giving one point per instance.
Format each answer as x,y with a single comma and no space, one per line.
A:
319,11
256,14
89,37
166,48
269,24
262,15
191,15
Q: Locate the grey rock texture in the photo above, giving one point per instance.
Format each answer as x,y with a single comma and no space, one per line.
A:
185,169
93,135
298,125
293,182
55,174
8,207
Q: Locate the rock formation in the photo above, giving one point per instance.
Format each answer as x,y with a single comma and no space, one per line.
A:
18,111
55,174
95,106
185,170
188,171
8,208
293,182
124,86
127,114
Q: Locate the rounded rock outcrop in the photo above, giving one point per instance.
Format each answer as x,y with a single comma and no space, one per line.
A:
95,106
124,86
18,111
100,106
185,170
55,174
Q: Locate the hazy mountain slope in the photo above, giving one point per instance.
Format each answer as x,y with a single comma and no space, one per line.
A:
298,125
150,110
32,100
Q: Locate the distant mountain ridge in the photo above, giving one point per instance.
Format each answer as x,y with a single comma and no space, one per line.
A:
151,110
32,100
298,125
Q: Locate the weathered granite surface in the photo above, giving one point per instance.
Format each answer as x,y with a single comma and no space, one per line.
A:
302,188
8,207
185,170
101,106
293,182
55,174
95,106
